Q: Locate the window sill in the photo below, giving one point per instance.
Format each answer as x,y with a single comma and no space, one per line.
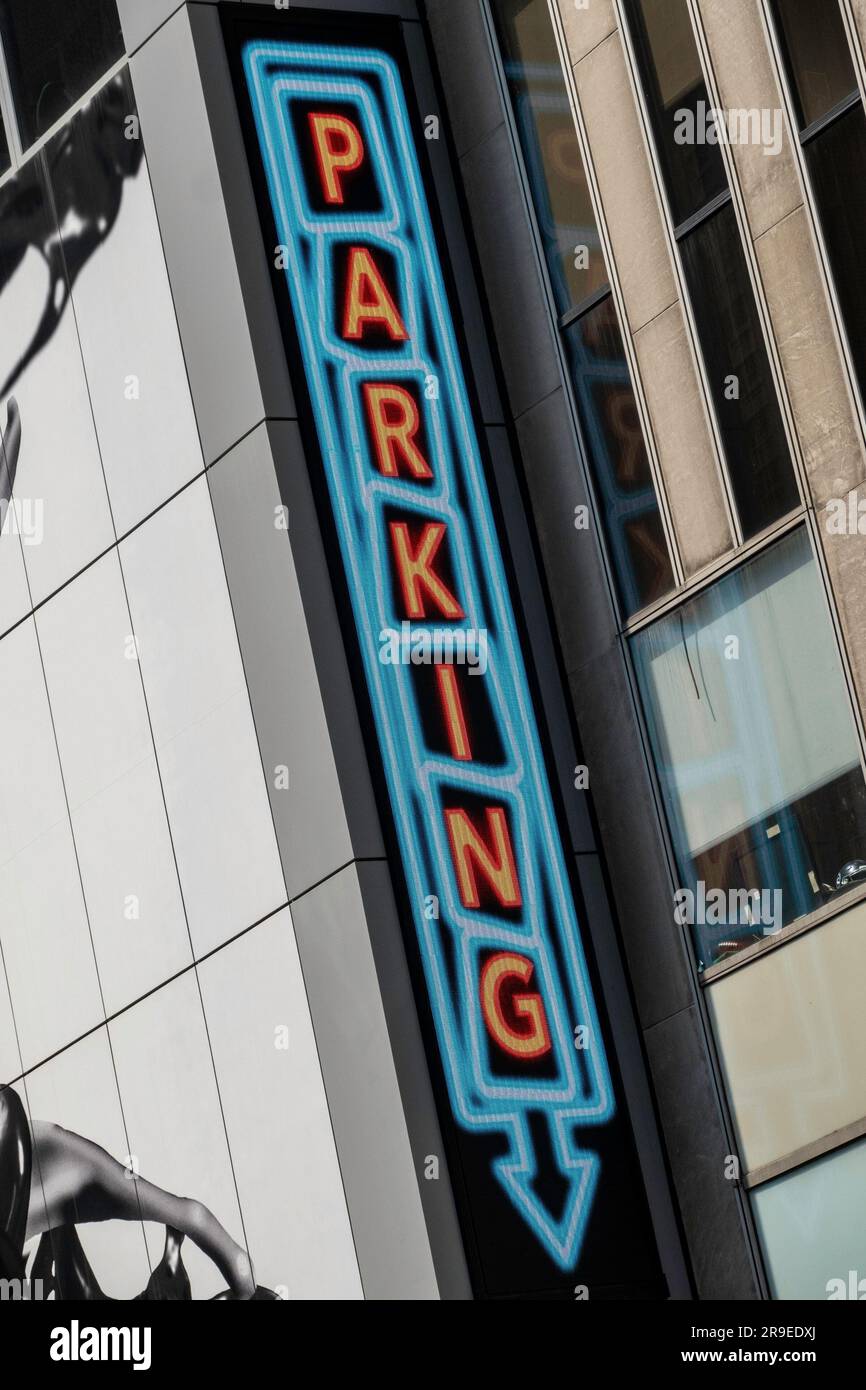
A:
843,903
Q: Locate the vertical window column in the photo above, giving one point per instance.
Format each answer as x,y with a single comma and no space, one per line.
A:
592,341
735,356
832,125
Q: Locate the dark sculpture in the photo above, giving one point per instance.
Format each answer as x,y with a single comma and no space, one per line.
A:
77,1182
87,164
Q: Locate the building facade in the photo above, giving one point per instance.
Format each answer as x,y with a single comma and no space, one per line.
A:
431,662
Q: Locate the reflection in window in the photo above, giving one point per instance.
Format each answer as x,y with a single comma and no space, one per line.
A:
754,742
55,51
614,440
678,101
545,126
599,371
819,59
837,164
738,369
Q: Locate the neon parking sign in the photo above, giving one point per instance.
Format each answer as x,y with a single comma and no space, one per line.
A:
493,914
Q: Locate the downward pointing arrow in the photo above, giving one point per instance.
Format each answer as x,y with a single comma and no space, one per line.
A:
561,1235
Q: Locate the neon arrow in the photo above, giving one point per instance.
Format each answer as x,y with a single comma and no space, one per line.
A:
518,1172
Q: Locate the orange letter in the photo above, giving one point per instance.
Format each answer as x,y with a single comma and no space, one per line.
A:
452,708
527,1045
499,869
415,571
368,300
394,421
339,149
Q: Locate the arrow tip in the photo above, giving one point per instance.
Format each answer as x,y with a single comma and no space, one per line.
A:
561,1235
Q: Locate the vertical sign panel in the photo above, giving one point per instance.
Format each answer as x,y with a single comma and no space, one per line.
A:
522,1050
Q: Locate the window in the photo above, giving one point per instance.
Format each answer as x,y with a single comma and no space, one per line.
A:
833,134
812,1224
819,60
732,343
837,164
739,374
55,51
578,277
618,456
4,148
755,747
545,127
678,101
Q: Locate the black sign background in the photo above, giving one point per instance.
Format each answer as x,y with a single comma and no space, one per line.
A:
618,1259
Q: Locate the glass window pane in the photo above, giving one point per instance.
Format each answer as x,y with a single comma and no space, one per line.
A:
545,126
837,163
614,440
812,1224
756,447
679,104
56,50
754,742
4,148
819,59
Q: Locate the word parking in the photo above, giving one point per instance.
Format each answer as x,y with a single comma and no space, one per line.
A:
493,911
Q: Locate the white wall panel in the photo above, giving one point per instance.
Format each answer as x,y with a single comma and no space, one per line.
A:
43,924
277,1116
118,817
172,1113
10,1058
131,887
46,946
197,696
31,787
127,326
